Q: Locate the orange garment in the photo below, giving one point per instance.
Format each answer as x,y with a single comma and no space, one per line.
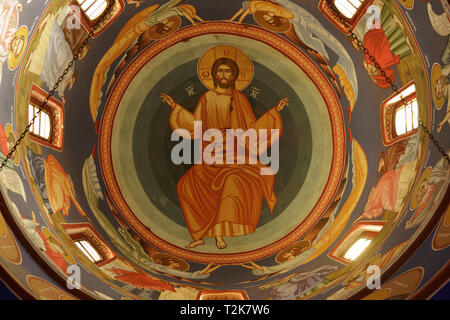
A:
379,47
53,255
59,191
141,280
224,199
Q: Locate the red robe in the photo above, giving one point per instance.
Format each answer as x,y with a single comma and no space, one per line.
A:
224,199
378,45
54,256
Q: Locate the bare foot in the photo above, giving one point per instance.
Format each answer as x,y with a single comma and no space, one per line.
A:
195,243
220,243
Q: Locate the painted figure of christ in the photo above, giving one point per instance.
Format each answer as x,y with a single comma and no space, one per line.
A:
224,198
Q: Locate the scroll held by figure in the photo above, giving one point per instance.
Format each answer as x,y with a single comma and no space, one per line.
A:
221,195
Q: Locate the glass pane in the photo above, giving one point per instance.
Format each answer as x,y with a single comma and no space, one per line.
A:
97,9
400,121
356,3
84,251
30,115
80,2
408,110
357,248
415,110
87,4
45,125
92,252
37,121
345,8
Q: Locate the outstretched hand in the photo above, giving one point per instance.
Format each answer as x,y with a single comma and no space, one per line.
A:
283,103
168,99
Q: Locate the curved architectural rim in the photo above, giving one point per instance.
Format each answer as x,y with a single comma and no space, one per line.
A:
284,47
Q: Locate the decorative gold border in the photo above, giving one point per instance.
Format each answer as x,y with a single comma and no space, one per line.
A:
294,54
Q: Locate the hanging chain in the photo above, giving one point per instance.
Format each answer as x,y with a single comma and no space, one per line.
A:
105,16
108,15
360,44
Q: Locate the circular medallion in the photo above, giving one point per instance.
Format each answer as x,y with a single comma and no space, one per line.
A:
272,22
17,47
164,29
160,197
421,188
437,81
170,261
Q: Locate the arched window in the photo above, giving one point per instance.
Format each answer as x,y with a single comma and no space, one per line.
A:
89,251
93,9
41,127
348,8
90,243
48,126
399,115
406,118
351,12
353,244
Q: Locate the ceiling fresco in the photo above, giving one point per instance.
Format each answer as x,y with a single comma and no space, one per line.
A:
137,188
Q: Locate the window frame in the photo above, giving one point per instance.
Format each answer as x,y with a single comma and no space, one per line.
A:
85,231
352,22
387,116
109,4
397,106
89,24
55,109
363,229
46,110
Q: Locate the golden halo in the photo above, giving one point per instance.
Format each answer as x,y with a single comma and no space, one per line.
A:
15,54
66,256
10,132
207,60
160,257
301,246
283,26
414,202
154,35
436,73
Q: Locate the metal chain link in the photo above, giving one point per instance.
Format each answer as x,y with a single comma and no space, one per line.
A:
106,15
394,88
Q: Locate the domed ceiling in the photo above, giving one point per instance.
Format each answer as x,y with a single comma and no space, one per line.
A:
224,149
